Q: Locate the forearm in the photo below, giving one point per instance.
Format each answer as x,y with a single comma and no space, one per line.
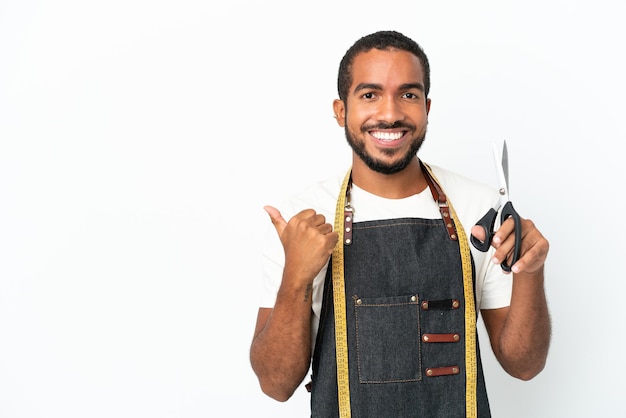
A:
281,348
522,346
281,351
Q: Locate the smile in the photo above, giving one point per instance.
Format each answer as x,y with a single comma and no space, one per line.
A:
387,136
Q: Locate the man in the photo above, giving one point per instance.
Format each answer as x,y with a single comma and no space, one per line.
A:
389,320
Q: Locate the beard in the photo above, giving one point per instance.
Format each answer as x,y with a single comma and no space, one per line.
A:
376,164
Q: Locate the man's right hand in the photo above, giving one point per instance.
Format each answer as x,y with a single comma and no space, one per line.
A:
308,241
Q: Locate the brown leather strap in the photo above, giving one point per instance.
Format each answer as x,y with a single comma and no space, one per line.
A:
442,371
442,200
347,225
348,213
441,338
438,195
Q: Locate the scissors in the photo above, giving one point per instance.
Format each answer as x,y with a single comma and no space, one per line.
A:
487,222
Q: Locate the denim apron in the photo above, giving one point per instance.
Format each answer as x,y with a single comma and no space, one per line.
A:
405,326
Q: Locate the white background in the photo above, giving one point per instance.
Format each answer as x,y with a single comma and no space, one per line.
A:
139,141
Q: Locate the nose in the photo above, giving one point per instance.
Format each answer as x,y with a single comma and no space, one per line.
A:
389,110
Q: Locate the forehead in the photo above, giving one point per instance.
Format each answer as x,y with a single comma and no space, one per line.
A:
389,68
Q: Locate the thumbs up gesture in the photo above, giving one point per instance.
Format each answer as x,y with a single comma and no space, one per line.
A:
308,241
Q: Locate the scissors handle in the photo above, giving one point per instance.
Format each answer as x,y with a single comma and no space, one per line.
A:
487,223
509,212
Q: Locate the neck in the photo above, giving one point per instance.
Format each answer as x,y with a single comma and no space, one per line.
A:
403,184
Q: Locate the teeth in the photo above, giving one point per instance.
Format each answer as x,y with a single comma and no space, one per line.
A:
387,136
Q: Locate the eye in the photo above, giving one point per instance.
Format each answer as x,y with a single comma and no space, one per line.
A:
369,95
410,95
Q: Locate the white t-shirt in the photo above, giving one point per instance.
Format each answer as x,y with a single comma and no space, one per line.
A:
470,200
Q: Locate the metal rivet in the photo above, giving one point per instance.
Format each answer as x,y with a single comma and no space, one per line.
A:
449,225
455,370
445,215
359,301
453,236
347,229
429,372
425,338
413,298
455,304
348,241
457,337
425,305
348,219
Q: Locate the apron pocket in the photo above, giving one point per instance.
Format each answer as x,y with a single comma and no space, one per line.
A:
388,339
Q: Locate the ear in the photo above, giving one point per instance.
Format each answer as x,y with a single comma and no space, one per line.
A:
427,106
340,112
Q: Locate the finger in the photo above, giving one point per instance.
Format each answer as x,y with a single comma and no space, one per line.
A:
505,230
534,252
504,250
318,220
277,219
325,228
334,239
504,242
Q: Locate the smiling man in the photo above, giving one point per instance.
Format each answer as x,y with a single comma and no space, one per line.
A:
371,283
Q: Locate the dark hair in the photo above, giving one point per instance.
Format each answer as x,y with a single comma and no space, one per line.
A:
379,40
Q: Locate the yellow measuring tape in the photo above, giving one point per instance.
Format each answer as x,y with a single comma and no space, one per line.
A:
339,301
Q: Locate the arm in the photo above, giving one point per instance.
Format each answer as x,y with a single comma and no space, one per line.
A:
520,333
280,353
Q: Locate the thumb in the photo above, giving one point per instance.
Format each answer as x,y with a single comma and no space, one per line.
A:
277,219
479,233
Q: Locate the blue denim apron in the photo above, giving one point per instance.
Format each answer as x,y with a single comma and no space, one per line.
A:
405,326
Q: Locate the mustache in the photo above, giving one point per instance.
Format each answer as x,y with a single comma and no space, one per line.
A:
382,125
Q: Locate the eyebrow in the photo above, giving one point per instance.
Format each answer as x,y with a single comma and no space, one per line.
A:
374,86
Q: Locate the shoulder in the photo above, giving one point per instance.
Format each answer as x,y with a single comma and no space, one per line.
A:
470,199
464,190
320,196
454,180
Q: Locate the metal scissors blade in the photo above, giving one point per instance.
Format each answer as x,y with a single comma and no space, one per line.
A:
487,222
502,167
505,165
